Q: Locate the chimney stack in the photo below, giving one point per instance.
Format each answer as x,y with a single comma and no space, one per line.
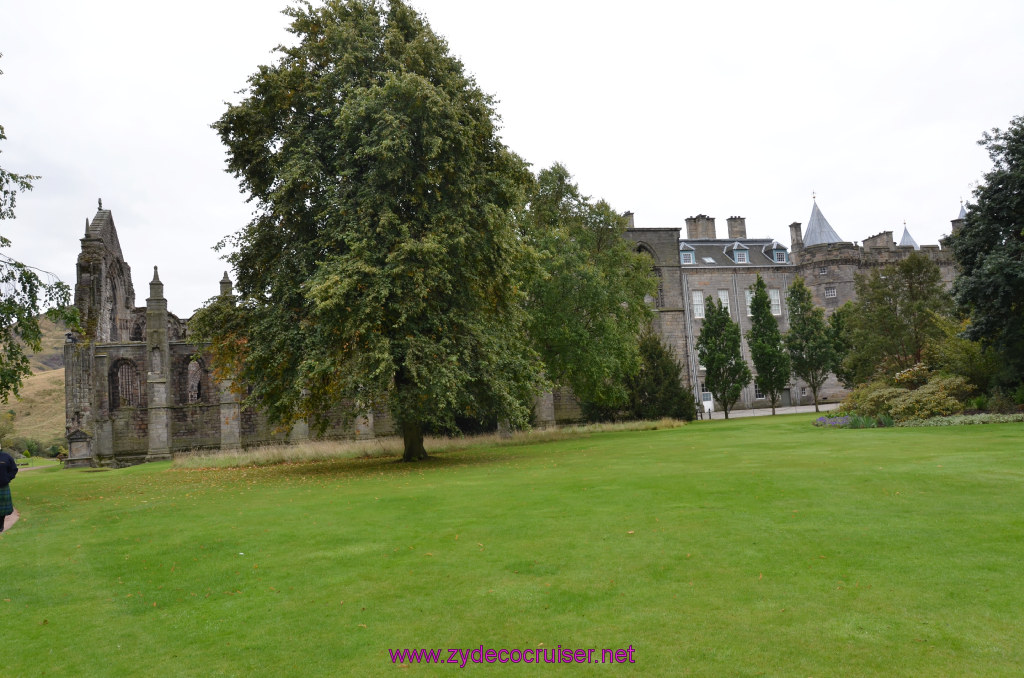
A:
737,228
796,238
628,216
700,227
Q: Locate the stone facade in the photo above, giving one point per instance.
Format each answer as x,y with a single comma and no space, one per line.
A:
136,389
699,265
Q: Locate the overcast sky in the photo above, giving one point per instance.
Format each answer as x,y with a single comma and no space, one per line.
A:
666,109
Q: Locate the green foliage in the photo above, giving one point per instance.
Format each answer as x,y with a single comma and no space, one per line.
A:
905,298
586,297
809,340
382,266
989,251
951,352
767,351
1001,402
963,420
719,351
656,391
872,399
23,296
842,342
937,398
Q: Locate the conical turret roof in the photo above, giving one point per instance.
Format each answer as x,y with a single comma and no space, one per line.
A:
819,231
908,240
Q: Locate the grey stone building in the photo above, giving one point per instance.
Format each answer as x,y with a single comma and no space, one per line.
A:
136,388
699,264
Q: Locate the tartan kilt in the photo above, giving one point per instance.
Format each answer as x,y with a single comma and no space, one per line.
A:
6,504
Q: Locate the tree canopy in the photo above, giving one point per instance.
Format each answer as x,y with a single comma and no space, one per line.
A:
23,295
769,355
655,391
719,349
382,265
903,298
586,297
989,251
812,351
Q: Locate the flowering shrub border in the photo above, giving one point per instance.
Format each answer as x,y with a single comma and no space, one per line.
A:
964,420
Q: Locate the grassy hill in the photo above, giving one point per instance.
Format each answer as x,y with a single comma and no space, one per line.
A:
39,412
52,355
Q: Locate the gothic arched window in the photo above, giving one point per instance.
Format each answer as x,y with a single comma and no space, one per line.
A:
195,382
125,390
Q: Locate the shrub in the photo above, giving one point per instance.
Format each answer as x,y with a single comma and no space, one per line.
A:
964,419
934,399
872,399
912,377
1001,403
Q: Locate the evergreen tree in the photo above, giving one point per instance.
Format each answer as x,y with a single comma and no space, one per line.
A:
769,355
382,266
656,391
809,341
989,252
719,351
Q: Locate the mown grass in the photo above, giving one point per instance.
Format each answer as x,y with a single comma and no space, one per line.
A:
746,547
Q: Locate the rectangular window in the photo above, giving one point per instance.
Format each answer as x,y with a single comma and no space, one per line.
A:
780,257
697,298
750,297
803,391
776,298
823,270
758,395
686,257
723,296
830,291
741,256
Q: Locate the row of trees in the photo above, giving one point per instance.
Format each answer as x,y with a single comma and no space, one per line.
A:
808,351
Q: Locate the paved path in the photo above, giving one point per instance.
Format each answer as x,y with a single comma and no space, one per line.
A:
767,412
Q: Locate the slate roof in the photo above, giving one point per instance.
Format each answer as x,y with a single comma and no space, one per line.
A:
908,240
760,252
963,212
819,231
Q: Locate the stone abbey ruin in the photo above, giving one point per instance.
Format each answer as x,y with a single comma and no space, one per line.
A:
136,388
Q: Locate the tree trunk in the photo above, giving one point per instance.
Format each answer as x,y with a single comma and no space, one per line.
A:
814,392
412,436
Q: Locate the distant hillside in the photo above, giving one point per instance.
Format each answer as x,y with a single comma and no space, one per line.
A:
52,355
39,413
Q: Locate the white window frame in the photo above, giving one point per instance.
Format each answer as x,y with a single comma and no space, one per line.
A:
776,297
740,256
823,270
697,302
780,256
687,257
831,292
723,296
750,297
758,395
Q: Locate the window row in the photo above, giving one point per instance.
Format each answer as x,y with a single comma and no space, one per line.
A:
697,301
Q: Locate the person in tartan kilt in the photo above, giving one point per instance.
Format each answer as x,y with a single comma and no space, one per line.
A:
8,469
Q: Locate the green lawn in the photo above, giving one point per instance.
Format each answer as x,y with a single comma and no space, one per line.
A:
758,546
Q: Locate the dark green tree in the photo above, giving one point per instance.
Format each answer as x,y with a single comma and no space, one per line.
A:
902,298
812,352
586,297
719,351
842,340
23,296
989,252
656,391
382,266
767,352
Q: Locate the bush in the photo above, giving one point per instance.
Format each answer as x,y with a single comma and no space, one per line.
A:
1001,403
964,419
912,377
934,399
872,399
979,403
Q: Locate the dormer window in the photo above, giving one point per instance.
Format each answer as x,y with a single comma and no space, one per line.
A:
740,256
780,256
687,257
737,252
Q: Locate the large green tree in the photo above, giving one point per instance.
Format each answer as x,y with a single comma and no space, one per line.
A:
382,265
586,296
24,292
989,251
903,298
812,351
719,349
656,391
767,352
